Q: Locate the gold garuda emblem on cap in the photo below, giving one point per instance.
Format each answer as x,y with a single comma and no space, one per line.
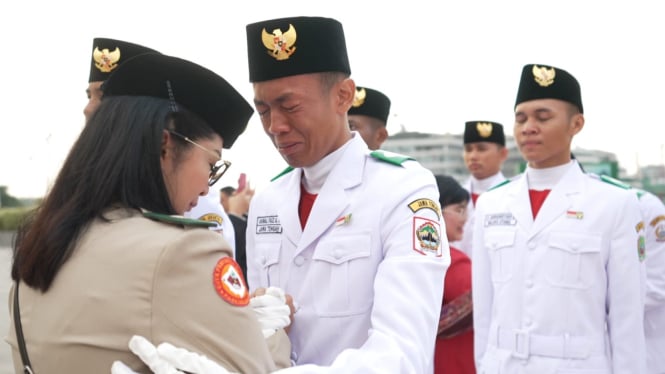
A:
280,45
359,98
106,61
543,76
484,129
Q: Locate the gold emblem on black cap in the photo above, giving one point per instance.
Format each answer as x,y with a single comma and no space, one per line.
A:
543,76
359,98
106,61
280,45
484,129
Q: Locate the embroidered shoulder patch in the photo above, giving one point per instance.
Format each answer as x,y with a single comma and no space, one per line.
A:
419,204
390,157
229,283
283,172
655,221
212,217
426,237
178,220
660,232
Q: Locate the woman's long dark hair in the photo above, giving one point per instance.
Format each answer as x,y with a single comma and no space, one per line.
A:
115,160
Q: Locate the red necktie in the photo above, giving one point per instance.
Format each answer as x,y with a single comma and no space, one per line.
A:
305,206
537,198
474,197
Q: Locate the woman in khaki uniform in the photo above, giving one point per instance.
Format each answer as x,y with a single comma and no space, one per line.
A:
107,254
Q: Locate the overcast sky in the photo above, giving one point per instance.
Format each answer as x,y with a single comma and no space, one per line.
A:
441,65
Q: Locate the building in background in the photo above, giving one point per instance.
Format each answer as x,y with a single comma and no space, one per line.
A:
442,154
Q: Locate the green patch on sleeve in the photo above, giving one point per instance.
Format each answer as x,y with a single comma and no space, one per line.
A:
615,182
178,220
285,171
391,158
499,185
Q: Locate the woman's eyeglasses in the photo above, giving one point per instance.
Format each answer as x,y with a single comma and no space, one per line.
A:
217,170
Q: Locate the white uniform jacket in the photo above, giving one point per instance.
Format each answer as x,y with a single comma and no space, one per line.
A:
364,278
209,208
465,245
653,211
561,293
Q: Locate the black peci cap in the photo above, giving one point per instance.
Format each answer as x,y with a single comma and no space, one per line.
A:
370,103
484,131
194,87
108,54
298,45
547,82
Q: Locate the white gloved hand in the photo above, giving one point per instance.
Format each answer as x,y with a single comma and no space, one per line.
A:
167,359
189,361
147,352
119,367
271,310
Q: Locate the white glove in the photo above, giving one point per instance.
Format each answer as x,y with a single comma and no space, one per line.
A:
271,310
189,362
147,352
167,359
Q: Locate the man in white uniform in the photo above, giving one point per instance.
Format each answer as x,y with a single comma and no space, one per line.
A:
209,208
369,116
653,212
484,153
556,271
354,236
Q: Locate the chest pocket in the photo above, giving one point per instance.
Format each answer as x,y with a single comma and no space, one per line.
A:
573,260
343,270
500,246
267,257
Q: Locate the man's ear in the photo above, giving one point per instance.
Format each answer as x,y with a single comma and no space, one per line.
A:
346,91
578,123
381,135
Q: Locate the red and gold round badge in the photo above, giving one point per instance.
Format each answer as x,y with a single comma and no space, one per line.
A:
229,283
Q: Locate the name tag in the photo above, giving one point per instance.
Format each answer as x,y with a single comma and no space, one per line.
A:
500,219
268,225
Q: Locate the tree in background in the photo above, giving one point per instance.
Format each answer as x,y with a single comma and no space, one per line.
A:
7,200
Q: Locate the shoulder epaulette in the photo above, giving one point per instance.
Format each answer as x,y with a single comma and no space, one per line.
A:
615,182
178,220
499,184
390,157
639,192
285,171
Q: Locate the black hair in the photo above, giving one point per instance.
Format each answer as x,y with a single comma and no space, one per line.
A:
450,191
115,161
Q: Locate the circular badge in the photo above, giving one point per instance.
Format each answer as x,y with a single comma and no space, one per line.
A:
229,283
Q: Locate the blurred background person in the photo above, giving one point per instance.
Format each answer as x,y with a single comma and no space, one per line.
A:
368,116
484,153
454,342
107,55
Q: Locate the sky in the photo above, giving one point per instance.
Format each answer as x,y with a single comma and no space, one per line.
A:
441,64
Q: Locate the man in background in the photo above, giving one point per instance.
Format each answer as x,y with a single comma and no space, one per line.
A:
484,153
369,116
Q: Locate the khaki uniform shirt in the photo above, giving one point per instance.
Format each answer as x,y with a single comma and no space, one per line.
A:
137,276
